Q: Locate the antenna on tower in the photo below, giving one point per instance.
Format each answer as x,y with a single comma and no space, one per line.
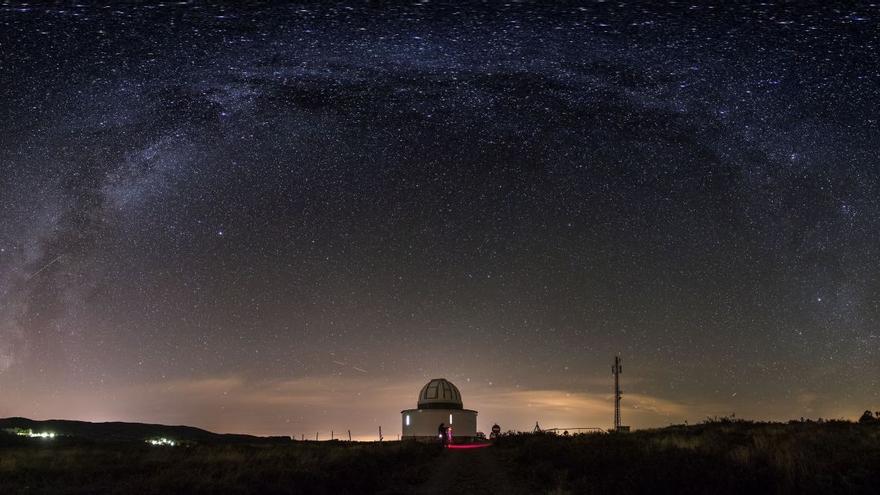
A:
617,369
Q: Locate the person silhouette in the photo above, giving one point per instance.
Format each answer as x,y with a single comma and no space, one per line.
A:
441,431
496,431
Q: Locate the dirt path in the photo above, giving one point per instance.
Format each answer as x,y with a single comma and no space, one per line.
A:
469,471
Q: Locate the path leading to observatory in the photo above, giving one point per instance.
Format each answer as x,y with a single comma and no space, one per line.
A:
469,471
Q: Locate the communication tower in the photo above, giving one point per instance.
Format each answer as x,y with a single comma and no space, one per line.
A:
617,369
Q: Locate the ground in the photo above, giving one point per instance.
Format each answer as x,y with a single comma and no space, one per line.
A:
475,471
718,458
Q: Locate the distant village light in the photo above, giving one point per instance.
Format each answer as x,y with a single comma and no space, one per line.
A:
161,441
30,434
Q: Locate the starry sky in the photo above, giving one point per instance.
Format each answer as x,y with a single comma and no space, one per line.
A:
285,218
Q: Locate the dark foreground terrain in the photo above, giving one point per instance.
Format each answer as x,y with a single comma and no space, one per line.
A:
720,457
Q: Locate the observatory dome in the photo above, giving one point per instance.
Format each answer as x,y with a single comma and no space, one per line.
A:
439,393
439,405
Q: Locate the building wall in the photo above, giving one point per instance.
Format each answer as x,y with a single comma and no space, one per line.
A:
423,423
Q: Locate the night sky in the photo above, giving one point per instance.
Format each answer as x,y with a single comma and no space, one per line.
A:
283,219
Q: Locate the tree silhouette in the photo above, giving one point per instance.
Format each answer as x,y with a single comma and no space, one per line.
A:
867,417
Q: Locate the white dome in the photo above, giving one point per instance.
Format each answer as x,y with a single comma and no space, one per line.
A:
439,393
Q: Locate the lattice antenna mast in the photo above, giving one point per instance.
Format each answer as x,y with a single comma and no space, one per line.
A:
617,369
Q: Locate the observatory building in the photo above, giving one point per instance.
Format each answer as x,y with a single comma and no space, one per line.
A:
439,402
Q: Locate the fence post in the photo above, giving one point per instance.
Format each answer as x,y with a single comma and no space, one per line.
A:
380,433
349,435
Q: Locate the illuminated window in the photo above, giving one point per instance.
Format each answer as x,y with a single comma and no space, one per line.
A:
407,420
450,418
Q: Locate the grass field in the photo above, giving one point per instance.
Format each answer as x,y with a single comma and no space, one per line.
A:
720,457
303,467
717,458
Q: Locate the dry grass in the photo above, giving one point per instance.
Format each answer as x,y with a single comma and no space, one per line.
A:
716,458
335,468
728,457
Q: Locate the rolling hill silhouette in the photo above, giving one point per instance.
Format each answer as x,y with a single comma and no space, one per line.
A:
131,432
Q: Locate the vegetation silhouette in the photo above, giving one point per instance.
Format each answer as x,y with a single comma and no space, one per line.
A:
718,456
867,417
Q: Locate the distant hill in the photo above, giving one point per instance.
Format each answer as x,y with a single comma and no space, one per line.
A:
135,432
